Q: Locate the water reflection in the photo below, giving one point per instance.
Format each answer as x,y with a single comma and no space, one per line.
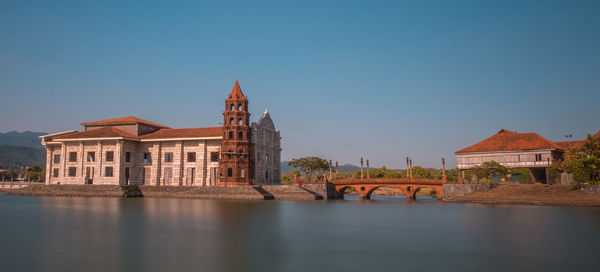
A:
112,234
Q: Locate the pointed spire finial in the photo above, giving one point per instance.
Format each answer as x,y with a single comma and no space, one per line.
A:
236,92
266,111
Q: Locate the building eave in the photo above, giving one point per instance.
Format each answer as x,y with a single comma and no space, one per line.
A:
182,139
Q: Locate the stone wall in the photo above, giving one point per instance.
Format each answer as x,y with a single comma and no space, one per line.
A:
453,190
591,189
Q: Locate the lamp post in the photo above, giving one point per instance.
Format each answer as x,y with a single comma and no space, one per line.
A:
569,136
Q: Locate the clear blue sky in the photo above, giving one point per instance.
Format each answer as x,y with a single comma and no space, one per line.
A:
345,79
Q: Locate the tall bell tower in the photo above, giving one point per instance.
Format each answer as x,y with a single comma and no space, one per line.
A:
236,164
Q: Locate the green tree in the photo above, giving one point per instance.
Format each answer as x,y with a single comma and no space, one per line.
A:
310,166
288,177
34,173
489,169
583,162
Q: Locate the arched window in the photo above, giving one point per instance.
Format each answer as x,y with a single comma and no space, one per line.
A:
231,108
267,158
240,135
242,172
239,107
229,172
241,150
240,122
230,135
231,120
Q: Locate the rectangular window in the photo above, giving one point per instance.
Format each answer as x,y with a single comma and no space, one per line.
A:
57,158
110,155
127,156
55,173
191,156
147,158
72,156
91,156
214,156
108,172
72,171
169,157
538,157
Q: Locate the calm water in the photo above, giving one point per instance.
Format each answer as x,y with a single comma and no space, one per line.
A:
112,234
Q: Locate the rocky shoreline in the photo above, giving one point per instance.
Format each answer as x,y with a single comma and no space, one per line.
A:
558,195
533,194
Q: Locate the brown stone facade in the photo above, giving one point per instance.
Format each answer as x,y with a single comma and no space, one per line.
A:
236,163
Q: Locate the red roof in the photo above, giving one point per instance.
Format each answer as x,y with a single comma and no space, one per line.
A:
105,132
184,133
506,140
123,121
577,143
236,92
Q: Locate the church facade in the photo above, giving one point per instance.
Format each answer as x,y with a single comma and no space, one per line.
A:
130,150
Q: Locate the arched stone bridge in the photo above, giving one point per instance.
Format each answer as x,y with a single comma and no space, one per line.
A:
365,187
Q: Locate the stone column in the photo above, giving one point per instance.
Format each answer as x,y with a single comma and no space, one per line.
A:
99,158
361,168
117,164
62,172
336,170
330,170
81,161
368,174
49,163
205,163
443,169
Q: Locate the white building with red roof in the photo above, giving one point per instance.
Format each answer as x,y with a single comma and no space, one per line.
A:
516,150
130,150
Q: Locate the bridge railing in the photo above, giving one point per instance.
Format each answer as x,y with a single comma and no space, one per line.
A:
388,181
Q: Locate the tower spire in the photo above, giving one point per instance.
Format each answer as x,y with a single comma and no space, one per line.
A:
236,92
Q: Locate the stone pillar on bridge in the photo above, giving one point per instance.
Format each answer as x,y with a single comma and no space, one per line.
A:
368,175
361,169
336,169
443,169
407,171
330,170
411,176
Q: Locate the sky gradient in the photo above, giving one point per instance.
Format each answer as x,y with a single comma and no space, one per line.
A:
342,79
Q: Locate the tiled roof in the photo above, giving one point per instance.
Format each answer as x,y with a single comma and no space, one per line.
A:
105,132
577,143
122,121
570,144
236,92
184,133
506,140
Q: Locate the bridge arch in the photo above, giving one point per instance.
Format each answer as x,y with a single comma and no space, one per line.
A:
340,192
403,189
435,190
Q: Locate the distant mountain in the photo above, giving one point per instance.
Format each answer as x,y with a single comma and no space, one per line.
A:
26,138
14,157
341,168
19,149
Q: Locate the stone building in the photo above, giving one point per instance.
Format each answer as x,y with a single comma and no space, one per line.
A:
129,150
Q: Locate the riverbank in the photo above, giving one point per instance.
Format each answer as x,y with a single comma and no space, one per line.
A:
532,194
291,192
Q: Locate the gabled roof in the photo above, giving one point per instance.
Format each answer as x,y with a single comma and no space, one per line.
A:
123,121
236,92
506,140
167,133
105,132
